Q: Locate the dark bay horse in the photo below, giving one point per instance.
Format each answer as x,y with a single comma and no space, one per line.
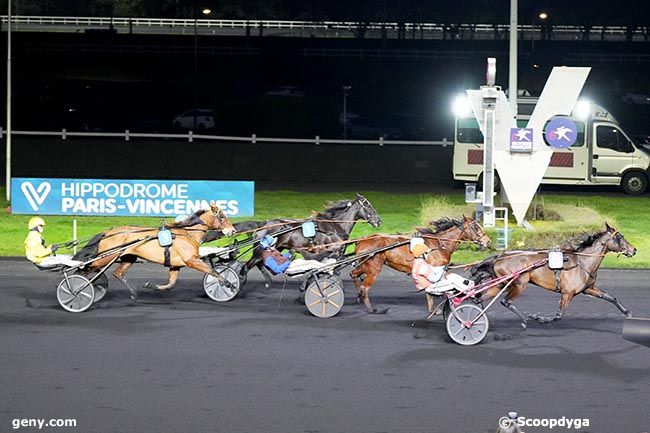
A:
184,250
334,224
442,237
583,258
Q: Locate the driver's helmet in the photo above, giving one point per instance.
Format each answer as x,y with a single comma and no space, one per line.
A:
419,249
35,222
267,242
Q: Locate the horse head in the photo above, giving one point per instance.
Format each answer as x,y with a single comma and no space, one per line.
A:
472,231
216,219
366,211
617,243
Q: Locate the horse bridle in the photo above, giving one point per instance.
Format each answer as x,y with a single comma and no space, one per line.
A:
464,230
365,204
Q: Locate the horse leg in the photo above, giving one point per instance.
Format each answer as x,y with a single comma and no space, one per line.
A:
363,287
119,274
597,293
507,302
173,276
516,288
266,274
565,299
201,266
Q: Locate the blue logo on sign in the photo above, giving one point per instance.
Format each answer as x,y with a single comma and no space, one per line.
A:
561,132
129,197
521,140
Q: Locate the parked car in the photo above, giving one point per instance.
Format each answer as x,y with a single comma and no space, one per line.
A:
204,119
636,98
293,91
408,126
367,128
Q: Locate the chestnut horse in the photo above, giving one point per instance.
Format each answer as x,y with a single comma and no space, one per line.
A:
442,237
578,275
184,250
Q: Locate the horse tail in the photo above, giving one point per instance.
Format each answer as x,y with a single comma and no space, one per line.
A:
90,250
483,271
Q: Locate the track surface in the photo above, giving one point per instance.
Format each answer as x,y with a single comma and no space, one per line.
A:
179,362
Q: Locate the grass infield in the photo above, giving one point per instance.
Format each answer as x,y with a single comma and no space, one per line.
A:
400,213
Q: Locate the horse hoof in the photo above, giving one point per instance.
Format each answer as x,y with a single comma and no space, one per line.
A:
267,285
629,315
524,326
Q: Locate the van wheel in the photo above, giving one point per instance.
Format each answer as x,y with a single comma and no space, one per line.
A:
634,183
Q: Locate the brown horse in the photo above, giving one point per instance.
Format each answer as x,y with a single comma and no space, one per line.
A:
184,250
578,275
442,237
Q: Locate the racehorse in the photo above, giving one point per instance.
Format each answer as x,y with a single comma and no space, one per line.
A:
442,237
184,251
583,258
333,225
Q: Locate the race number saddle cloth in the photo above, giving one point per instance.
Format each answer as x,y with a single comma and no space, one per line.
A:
448,283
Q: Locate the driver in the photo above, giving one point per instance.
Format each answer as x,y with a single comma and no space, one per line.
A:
424,275
38,253
278,262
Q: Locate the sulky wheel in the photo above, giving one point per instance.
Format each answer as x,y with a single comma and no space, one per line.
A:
100,285
324,296
460,328
446,309
216,289
75,293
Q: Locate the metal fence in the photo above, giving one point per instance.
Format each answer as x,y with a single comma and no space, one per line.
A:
190,136
326,28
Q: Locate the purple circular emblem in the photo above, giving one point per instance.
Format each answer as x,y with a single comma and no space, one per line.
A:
561,132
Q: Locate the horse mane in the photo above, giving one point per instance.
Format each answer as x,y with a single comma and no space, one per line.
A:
332,208
484,270
91,248
583,241
189,221
440,225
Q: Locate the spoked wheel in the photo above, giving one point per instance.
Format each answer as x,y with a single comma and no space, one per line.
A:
324,296
460,327
446,309
75,293
215,287
100,284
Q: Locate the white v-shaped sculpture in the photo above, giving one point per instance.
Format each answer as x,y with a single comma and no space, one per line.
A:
521,173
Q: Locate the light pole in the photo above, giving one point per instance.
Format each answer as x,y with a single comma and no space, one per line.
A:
346,93
542,16
8,166
205,12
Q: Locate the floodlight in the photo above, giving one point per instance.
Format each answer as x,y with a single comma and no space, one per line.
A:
460,106
582,109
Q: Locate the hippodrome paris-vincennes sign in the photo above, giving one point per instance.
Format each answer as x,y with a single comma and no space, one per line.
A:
42,196
522,172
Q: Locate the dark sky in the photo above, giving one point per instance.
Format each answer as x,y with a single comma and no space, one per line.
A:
561,12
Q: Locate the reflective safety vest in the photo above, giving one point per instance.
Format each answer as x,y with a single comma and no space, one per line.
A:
35,248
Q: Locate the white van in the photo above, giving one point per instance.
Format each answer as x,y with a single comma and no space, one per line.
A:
603,154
